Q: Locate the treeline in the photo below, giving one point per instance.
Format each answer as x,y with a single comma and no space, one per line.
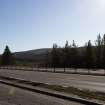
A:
90,56
71,56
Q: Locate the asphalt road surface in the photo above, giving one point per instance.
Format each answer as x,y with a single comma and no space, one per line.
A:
14,96
96,83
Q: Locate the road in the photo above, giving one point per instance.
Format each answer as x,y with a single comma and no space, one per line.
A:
14,96
96,83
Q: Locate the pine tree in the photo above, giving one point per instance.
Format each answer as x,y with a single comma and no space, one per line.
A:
55,56
89,56
98,51
47,60
66,55
74,56
7,58
103,52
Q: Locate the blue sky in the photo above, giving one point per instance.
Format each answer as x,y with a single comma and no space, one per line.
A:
32,24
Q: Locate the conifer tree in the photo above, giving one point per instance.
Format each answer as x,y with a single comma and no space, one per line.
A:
7,58
98,51
89,56
103,52
66,55
74,56
55,56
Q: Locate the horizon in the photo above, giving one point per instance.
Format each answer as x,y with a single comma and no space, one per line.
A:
35,24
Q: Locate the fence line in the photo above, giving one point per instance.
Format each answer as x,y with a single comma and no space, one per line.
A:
57,70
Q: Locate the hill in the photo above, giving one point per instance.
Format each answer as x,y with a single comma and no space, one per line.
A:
36,56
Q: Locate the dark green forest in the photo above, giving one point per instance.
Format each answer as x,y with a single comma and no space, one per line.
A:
90,56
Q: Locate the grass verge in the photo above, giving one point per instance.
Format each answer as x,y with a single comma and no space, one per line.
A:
87,94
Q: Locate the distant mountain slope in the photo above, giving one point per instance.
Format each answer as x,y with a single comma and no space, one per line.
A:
38,55
35,56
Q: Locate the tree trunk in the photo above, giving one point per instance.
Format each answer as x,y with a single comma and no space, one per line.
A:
75,70
64,69
54,69
88,71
